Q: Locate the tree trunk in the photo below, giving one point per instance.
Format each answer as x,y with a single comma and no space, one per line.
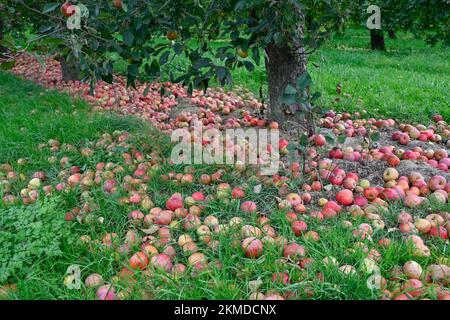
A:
392,34
377,40
70,71
2,48
1,28
283,66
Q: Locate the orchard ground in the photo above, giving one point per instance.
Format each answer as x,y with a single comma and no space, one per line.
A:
92,181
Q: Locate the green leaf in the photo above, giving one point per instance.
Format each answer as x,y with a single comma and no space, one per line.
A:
256,56
249,66
133,70
288,99
117,47
51,6
147,89
316,95
7,65
221,72
240,5
44,29
304,81
292,147
290,90
341,139
128,37
304,141
51,41
164,57
330,138
375,136
278,38
8,41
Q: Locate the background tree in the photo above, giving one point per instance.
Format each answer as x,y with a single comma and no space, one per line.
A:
426,19
430,20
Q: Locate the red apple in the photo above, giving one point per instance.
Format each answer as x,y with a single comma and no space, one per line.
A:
345,197
252,247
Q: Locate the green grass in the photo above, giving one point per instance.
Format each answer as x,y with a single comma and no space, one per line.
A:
409,81
31,115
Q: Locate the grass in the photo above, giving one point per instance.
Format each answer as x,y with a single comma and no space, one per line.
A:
30,115
45,114
409,81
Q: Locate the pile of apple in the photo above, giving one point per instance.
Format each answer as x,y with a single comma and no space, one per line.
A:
152,102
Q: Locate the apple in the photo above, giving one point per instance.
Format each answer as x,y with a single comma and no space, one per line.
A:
334,206
67,9
294,251
364,183
413,287
205,179
163,217
349,183
319,140
412,270
248,207
404,139
423,226
273,125
345,197
281,278
337,176
242,53
336,153
118,4
390,174
409,155
306,198
172,35
437,118
106,292
294,199
139,261
299,227
198,196
174,202
437,183
161,262
390,194
316,186
93,280
439,232
393,160
440,154
371,193
252,247
237,193
361,201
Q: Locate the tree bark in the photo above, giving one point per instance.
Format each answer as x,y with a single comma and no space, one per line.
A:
1,28
70,71
2,48
283,66
392,34
377,40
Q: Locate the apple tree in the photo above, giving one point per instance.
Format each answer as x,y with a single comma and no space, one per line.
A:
214,36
